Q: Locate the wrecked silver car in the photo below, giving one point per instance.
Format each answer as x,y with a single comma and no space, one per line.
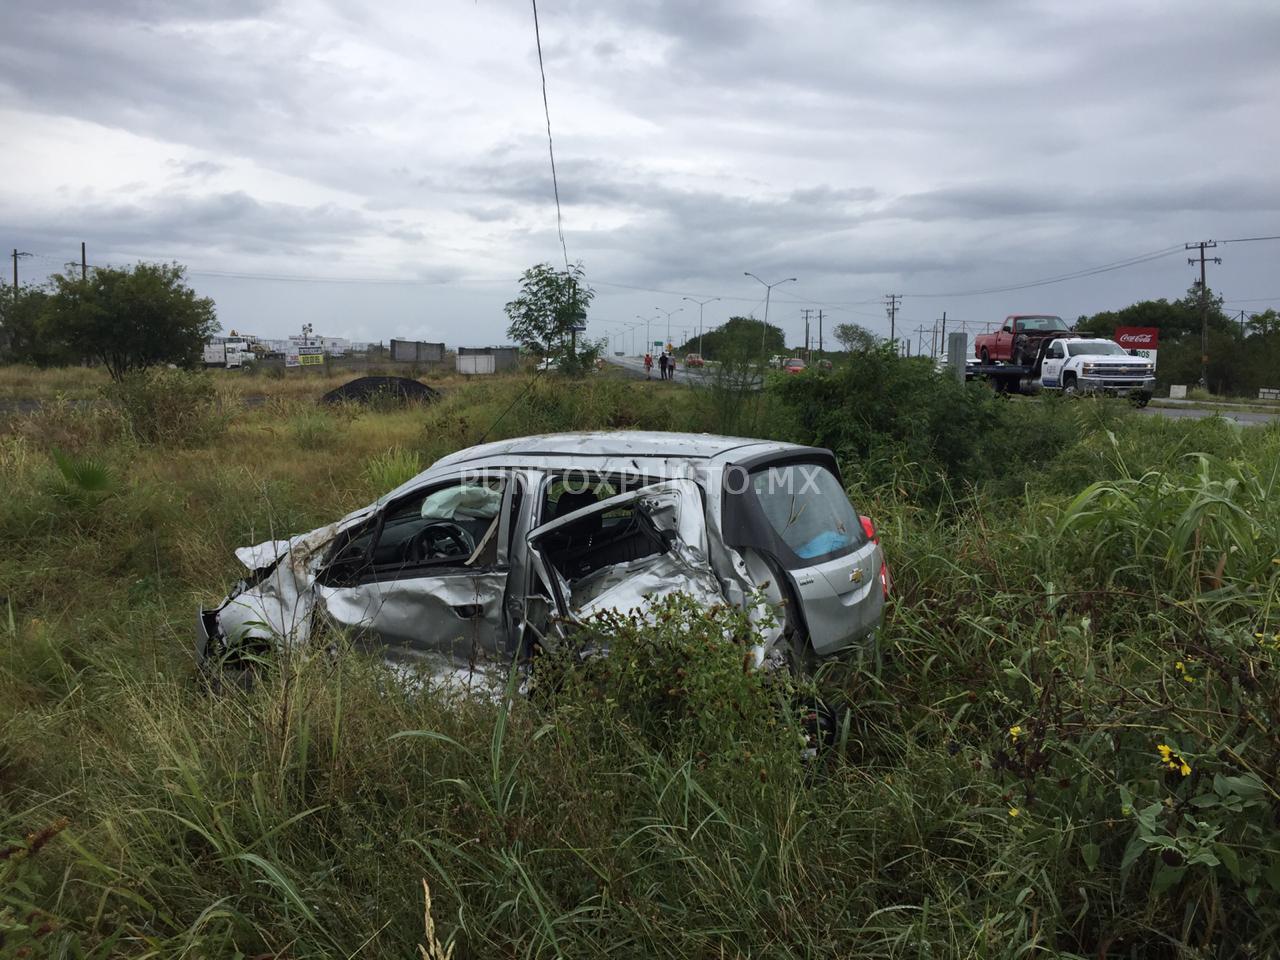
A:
501,548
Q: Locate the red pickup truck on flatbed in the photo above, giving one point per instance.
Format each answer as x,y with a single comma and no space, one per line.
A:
1019,340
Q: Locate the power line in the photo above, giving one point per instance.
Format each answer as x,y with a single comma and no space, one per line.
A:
551,150
1076,275
1248,239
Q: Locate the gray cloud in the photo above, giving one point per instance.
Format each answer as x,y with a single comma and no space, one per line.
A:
894,144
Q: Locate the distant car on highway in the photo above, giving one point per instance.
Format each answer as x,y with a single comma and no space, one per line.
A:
694,360
794,365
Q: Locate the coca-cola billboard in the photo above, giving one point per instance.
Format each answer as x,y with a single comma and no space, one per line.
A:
1138,338
1141,341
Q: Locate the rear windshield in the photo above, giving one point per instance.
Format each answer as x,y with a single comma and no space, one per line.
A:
808,509
1040,324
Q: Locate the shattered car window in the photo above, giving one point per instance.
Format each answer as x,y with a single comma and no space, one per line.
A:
807,508
455,524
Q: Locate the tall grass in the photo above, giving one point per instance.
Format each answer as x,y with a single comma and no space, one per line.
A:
994,785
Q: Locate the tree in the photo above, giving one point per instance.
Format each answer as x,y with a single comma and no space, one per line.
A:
130,317
1266,323
737,338
21,337
1176,321
855,338
551,301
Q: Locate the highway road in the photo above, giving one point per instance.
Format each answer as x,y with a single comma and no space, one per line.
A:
1239,414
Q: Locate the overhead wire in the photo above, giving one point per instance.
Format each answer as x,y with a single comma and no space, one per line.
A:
555,186
551,150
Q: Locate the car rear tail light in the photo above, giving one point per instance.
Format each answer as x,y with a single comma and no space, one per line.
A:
869,529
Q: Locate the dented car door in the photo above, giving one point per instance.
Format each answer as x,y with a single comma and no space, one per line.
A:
427,573
621,553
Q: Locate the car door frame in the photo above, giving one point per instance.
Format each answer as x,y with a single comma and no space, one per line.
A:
435,580
691,524
1051,367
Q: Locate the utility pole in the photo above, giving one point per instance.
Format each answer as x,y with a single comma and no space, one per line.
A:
806,311
84,265
942,340
891,303
1204,306
16,255
819,334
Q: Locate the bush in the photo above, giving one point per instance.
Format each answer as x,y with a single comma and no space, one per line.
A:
883,414
169,407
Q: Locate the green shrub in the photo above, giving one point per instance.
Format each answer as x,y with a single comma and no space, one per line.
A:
169,407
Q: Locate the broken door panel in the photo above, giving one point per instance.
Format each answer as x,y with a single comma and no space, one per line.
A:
625,551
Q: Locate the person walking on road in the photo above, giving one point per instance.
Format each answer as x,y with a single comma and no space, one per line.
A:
662,364
648,366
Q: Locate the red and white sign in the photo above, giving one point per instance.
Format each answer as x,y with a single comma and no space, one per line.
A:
1138,338
1143,341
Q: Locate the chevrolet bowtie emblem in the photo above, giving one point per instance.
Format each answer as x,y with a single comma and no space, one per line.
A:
856,575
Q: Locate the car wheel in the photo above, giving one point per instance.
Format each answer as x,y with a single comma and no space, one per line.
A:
1069,387
1140,400
986,355
1019,350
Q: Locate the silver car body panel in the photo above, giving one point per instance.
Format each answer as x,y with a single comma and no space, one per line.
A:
472,614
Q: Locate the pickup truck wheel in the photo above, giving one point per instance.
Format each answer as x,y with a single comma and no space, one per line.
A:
986,355
1140,400
1069,387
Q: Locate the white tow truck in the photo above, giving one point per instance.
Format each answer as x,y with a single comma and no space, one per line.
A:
1076,365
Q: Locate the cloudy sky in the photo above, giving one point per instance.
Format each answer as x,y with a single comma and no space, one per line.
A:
381,170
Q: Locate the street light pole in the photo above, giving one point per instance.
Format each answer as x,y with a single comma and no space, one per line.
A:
701,304
645,320
669,313
768,289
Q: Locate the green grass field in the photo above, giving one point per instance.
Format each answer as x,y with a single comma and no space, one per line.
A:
1067,743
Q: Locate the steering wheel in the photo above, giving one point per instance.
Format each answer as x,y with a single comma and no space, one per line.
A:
440,540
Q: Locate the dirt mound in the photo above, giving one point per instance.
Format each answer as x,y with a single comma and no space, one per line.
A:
381,390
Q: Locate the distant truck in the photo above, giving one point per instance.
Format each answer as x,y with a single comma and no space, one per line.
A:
1020,339
227,354
1074,365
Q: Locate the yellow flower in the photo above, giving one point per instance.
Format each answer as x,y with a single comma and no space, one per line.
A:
1015,731
1166,751
1179,667
1014,811
1185,767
